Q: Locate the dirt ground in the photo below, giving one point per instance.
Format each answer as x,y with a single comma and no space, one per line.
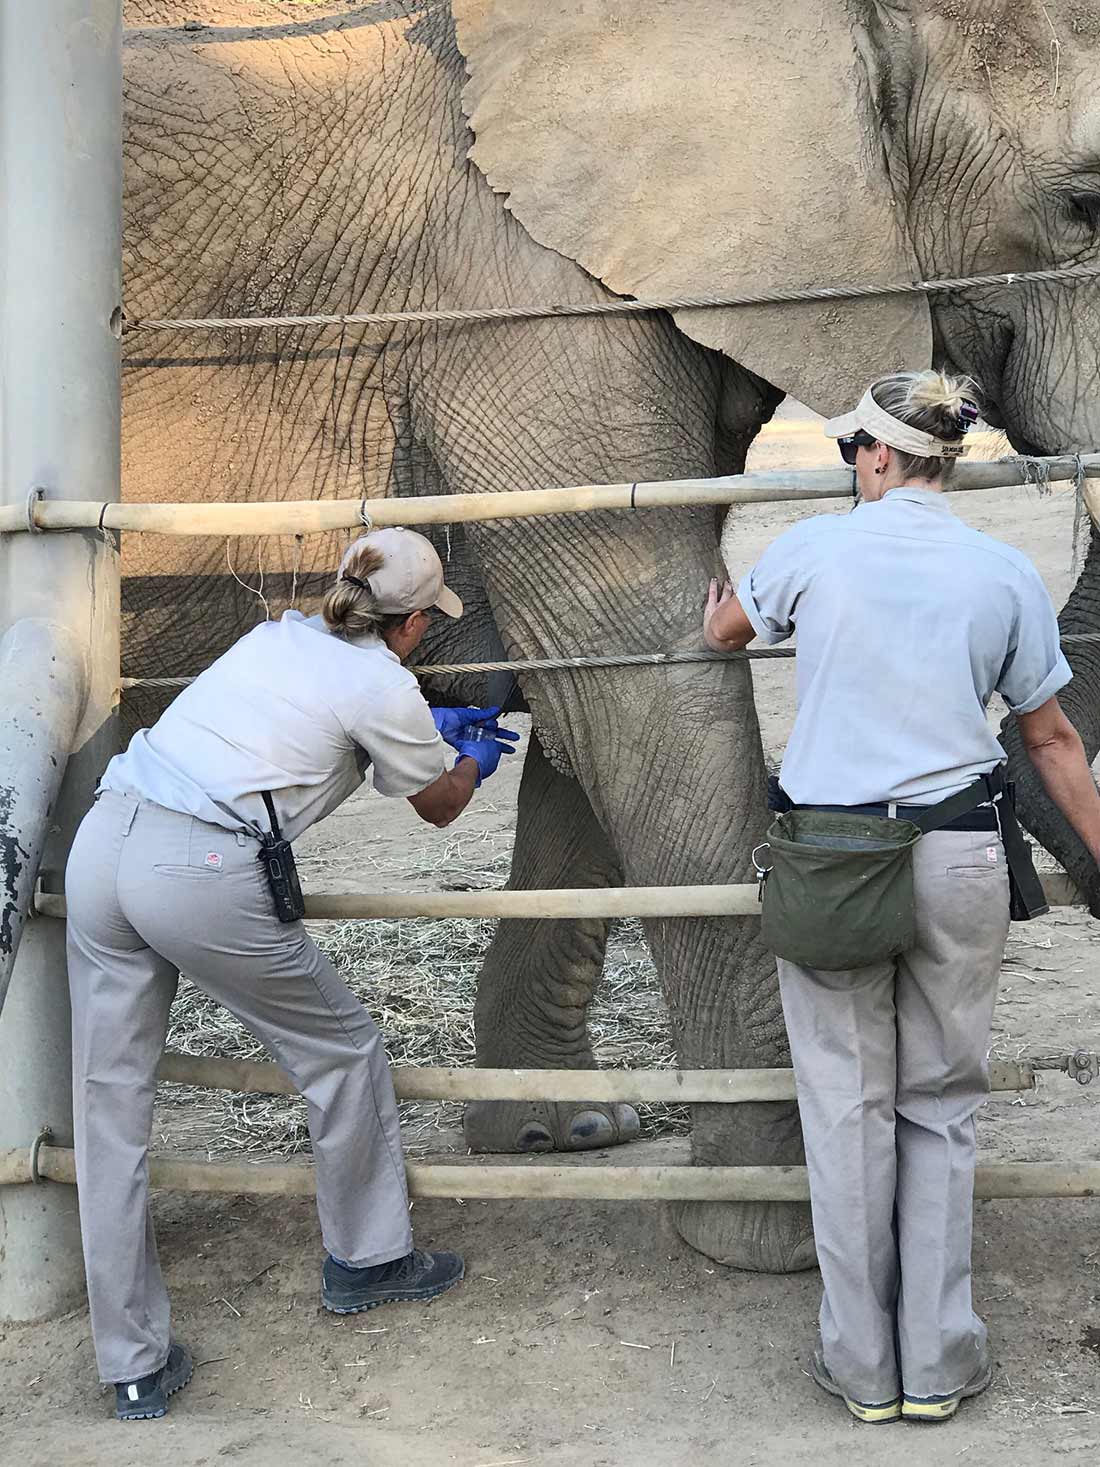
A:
589,1334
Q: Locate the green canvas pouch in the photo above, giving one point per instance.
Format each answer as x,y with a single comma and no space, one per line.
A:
838,892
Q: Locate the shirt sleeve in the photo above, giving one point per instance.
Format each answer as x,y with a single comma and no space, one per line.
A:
404,746
1035,669
769,592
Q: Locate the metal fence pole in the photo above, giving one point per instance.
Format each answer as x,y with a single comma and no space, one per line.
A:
60,296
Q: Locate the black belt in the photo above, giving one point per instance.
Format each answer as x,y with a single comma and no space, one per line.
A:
983,818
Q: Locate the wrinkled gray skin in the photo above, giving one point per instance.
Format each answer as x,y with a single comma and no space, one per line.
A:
271,187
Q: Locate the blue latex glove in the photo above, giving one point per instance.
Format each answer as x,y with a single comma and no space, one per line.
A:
451,721
486,753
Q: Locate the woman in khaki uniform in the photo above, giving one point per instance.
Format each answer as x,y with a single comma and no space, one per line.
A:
908,621
165,876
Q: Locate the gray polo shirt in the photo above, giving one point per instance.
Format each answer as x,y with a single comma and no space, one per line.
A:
908,621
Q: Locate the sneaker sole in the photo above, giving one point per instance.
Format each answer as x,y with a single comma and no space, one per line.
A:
930,1413
871,1415
409,1296
161,1410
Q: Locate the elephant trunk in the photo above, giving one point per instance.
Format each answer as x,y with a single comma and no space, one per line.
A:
1081,701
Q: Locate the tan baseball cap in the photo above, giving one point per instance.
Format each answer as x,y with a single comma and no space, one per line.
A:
411,576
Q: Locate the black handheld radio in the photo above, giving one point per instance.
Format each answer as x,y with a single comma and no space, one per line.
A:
277,859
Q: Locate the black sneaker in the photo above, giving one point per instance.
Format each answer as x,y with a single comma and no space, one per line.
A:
417,1276
147,1398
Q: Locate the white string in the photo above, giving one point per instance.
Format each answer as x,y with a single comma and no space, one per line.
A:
252,590
298,541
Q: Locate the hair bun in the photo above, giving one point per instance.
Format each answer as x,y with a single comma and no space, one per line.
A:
942,405
349,606
937,391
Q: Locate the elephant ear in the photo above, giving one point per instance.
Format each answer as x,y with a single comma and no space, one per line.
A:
700,147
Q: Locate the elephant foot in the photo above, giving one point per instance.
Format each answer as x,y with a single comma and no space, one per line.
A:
525,1126
760,1237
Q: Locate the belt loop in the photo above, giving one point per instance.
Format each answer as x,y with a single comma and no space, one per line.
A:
892,809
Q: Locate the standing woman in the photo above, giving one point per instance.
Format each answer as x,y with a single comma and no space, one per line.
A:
908,621
165,876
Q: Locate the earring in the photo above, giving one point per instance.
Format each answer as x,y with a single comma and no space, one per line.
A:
878,471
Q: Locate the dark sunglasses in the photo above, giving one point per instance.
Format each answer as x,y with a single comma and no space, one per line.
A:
851,445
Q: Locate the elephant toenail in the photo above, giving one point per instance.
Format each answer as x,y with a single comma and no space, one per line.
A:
590,1123
626,1118
535,1138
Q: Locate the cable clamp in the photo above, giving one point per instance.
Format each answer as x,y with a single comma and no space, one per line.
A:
33,498
1082,1066
44,1138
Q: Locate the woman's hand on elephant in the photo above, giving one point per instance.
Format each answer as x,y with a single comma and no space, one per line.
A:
726,628
715,600
451,721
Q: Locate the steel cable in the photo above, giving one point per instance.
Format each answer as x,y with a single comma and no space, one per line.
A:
569,664
782,295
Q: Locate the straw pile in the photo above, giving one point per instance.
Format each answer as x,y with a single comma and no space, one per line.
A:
418,980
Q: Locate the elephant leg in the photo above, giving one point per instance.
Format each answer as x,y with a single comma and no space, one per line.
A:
1081,701
540,974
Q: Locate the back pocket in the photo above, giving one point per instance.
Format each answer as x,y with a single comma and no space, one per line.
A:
207,853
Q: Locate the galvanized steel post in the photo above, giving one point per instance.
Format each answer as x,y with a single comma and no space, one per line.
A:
60,288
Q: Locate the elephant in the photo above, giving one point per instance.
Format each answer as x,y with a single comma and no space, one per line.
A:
454,153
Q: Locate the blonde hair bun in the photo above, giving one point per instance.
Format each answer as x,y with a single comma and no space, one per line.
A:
936,403
936,391
351,611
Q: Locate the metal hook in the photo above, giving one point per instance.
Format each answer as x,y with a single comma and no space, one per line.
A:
762,872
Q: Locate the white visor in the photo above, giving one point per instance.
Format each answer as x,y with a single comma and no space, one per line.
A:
887,429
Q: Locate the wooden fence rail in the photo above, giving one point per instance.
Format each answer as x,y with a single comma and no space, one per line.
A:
580,1181
316,516
717,1087
737,900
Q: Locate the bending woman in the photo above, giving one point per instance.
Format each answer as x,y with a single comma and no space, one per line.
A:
164,877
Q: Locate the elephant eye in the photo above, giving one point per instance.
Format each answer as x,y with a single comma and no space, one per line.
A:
1083,207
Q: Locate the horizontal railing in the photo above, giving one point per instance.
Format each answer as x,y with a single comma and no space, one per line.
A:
739,900
696,1087
535,1180
318,516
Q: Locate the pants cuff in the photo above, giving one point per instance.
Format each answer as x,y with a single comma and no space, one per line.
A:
372,1260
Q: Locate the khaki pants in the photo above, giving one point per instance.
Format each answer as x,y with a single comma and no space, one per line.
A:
152,893
890,1062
